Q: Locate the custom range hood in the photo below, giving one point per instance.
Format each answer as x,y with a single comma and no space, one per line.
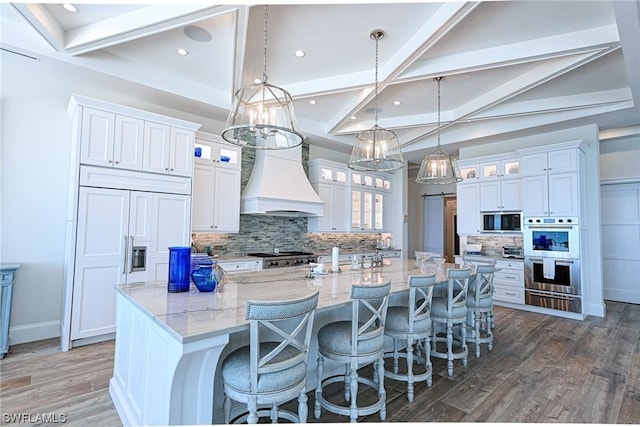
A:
279,186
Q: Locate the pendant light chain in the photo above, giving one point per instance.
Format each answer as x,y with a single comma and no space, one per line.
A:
438,79
377,36
264,63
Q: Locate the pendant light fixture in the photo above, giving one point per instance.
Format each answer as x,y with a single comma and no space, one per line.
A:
439,167
262,116
376,149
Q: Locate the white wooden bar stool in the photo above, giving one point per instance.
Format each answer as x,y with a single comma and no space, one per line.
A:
412,323
450,311
480,305
355,342
272,369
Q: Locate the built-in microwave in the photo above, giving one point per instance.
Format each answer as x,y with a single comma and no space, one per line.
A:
500,222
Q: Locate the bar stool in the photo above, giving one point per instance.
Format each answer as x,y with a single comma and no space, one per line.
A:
450,311
476,260
480,305
412,323
355,343
275,371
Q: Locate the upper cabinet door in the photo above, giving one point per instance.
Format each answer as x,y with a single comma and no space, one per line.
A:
157,147
181,153
96,137
128,143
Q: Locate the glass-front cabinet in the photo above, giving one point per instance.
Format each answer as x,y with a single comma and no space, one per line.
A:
368,194
507,168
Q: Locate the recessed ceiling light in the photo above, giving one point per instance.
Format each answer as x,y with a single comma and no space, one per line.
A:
396,102
183,52
300,53
256,80
69,7
353,117
312,102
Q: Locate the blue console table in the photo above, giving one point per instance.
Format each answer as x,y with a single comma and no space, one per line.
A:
7,272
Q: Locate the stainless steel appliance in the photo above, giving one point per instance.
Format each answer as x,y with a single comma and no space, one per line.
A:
553,283
512,252
552,237
500,222
285,259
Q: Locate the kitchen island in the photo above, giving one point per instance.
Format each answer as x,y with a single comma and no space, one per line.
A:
169,345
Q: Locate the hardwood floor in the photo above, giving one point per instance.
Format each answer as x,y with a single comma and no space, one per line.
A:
542,369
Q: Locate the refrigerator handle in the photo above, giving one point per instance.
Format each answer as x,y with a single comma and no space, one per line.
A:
126,252
130,250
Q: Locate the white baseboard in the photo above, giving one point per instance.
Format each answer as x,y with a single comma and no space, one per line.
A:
34,332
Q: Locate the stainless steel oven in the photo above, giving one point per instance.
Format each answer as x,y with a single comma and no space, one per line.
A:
552,237
553,283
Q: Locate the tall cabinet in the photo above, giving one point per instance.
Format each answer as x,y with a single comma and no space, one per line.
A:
125,209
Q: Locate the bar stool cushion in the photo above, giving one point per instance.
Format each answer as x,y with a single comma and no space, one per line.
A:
235,370
398,321
439,309
483,301
336,338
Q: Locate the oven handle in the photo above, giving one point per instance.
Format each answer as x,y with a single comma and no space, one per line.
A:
550,295
559,261
547,226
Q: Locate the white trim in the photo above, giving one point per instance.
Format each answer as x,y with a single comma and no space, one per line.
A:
34,332
612,181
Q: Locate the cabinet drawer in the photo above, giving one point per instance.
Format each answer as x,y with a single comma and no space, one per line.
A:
509,277
508,294
510,265
240,266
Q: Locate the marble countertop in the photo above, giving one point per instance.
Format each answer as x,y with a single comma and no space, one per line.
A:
194,315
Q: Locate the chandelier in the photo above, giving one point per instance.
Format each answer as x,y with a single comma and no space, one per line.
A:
439,167
261,115
376,149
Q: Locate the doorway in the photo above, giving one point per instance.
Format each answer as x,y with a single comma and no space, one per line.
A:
440,225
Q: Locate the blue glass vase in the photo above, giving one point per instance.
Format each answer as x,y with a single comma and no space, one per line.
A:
205,278
179,268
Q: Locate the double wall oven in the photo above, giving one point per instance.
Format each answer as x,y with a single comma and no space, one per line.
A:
552,263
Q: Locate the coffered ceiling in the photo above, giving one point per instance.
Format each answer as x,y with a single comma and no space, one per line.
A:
512,68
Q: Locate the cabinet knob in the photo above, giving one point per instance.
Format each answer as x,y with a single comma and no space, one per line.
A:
117,162
110,161
171,169
166,169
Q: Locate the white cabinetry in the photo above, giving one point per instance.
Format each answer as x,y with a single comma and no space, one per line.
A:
368,195
122,237
551,183
508,282
329,180
120,137
216,186
468,208
501,195
239,266
111,140
504,168
121,219
168,149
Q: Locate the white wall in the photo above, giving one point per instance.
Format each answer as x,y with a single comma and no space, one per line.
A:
620,159
34,176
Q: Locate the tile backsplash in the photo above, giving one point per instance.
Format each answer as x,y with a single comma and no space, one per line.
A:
492,245
264,233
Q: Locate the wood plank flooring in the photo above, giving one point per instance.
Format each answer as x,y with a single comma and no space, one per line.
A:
542,369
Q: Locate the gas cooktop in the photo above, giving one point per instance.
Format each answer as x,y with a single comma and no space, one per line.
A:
284,258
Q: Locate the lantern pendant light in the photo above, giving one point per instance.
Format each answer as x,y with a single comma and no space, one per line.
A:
376,149
439,167
262,115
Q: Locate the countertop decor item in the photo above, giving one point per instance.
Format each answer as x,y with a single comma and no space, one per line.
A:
439,167
179,268
205,277
376,149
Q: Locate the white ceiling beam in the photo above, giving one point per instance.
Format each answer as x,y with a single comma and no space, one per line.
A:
514,53
440,23
38,16
548,70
